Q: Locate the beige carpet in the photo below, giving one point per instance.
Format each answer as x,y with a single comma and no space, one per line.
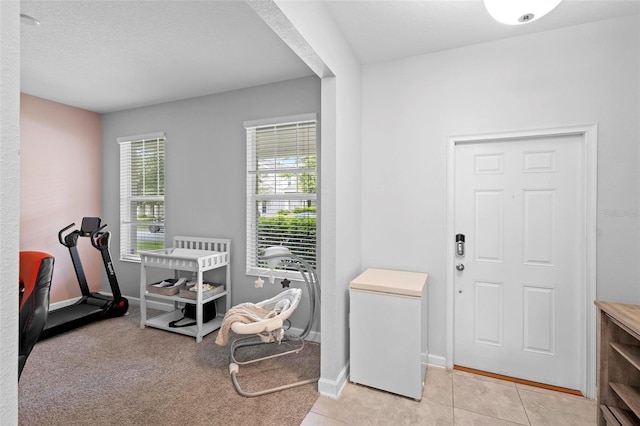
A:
113,373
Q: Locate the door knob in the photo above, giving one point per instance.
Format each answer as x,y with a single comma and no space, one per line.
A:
460,266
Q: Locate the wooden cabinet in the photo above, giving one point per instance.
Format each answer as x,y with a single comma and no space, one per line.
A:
618,364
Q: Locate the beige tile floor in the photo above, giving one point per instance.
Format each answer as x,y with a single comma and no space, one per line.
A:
455,398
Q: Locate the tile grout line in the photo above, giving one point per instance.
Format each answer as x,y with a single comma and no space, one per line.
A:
492,416
517,381
453,399
523,406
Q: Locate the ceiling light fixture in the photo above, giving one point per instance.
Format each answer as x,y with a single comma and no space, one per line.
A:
517,12
29,20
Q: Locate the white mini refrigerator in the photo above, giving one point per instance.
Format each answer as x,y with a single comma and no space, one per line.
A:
387,327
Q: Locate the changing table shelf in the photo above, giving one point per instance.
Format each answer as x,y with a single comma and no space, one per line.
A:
162,321
193,254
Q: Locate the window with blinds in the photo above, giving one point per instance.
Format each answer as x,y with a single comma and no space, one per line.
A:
281,188
141,194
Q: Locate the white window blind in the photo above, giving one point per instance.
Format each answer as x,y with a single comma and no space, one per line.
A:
281,190
141,195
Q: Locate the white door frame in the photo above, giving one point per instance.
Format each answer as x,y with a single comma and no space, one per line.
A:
589,135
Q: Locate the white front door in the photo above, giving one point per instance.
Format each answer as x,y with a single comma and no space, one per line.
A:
519,299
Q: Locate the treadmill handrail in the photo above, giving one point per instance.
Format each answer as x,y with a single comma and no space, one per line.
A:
60,234
91,306
94,236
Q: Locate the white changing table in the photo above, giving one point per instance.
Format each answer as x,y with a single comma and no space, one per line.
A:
193,254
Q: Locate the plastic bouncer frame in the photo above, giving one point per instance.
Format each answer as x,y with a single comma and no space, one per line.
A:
270,330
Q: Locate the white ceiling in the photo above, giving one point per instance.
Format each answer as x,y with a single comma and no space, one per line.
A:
385,30
111,55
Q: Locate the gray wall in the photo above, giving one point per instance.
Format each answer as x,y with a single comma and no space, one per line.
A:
205,170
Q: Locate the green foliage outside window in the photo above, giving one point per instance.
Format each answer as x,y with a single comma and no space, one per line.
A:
295,230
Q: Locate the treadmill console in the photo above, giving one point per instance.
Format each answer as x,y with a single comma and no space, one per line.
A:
89,225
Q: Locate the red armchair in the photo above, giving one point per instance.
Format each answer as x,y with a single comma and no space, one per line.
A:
36,270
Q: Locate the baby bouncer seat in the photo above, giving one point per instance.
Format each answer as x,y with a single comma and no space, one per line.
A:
263,323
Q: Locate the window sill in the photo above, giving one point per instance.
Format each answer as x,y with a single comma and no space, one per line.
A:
276,273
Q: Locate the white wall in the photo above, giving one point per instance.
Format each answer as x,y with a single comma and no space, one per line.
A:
340,180
9,207
205,176
579,75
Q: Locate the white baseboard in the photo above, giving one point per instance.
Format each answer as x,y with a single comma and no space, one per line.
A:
62,304
333,388
133,301
424,358
438,360
313,336
152,304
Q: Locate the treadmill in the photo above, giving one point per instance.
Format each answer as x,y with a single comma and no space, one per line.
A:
91,306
